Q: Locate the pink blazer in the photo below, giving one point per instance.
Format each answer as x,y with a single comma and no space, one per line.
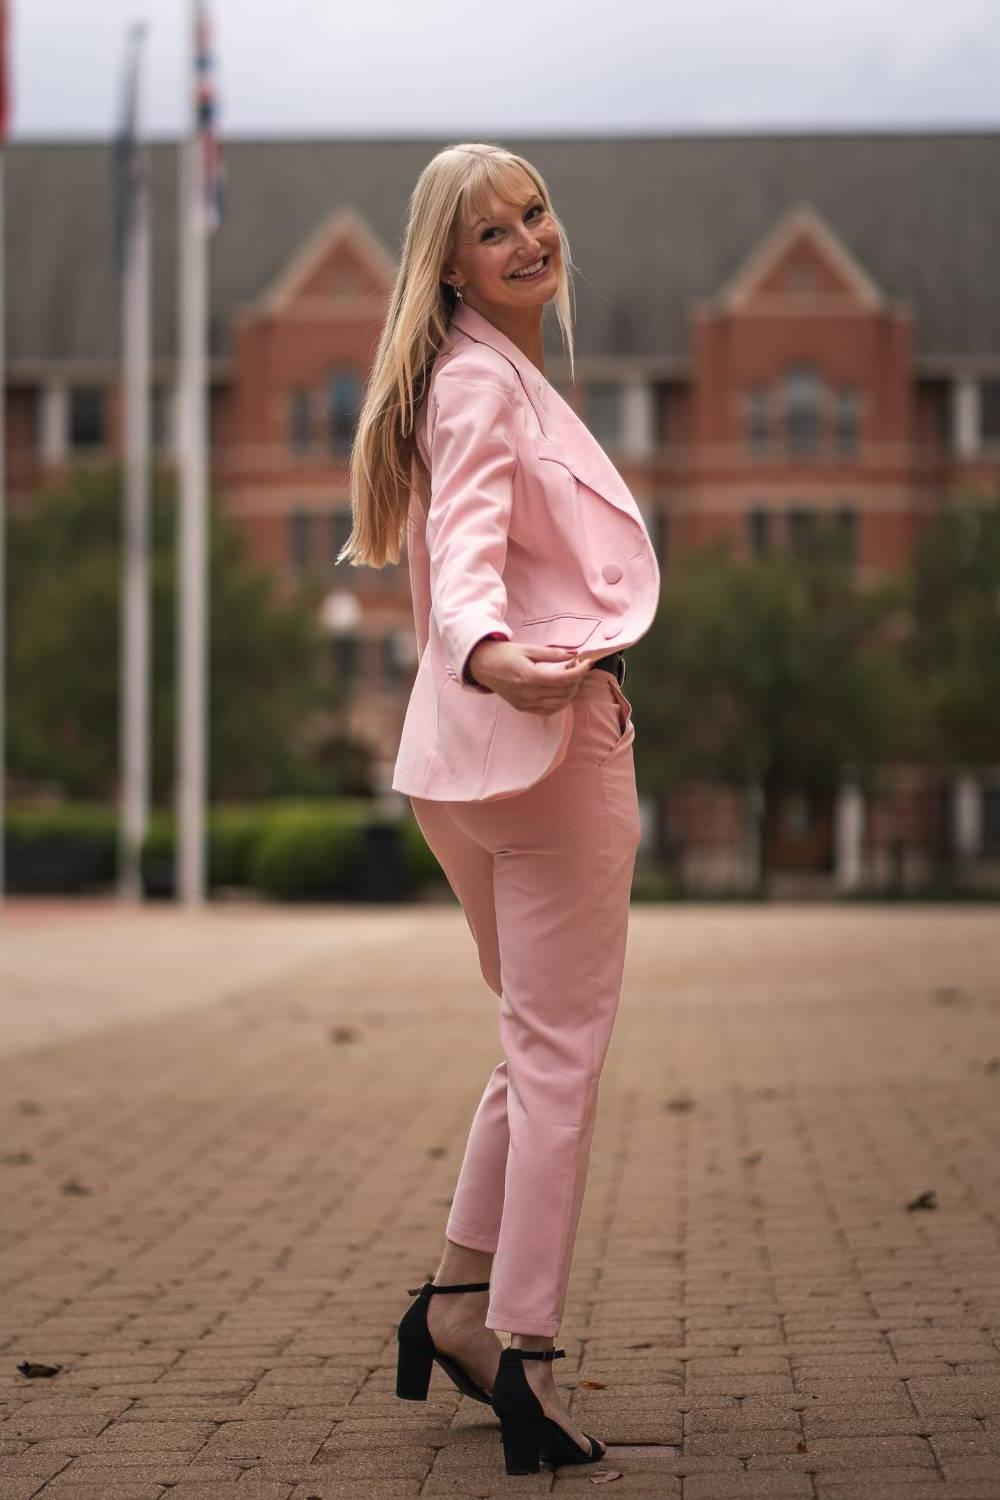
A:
531,533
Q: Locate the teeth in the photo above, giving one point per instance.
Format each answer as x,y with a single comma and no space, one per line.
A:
526,270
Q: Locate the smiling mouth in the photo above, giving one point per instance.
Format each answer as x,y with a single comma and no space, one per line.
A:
532,272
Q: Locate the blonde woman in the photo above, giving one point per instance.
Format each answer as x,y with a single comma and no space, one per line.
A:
530,570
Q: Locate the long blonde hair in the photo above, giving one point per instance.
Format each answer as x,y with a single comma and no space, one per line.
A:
385,461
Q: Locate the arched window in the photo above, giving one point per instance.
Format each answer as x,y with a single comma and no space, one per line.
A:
802,397
344,394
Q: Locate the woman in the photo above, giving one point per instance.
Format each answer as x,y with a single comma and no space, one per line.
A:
530,570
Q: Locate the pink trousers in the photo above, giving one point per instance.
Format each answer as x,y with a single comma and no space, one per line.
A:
544,879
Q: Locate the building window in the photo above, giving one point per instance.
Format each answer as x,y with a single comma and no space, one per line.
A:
661,537
345,648
397,657
990,834
665,402
758,421
989,411
299,528
341,525
299,421
86,416
801,528
801,411
160,417
847,525
845,423
344,392
759,530
604,411
797,815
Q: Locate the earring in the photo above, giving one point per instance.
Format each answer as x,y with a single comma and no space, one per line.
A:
458,291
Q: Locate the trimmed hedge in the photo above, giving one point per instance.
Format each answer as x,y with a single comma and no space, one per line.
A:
291,851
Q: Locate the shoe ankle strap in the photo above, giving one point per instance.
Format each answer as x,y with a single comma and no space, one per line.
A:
464,1286
533,1353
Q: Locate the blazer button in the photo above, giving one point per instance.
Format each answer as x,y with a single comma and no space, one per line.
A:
611,572
610,630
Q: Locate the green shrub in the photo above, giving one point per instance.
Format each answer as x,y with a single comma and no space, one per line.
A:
60,849
288,850
310,852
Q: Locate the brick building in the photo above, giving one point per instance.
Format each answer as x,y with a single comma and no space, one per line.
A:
768,328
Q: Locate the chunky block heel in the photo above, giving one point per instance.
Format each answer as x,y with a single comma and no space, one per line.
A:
528,1435
413,1372
417,1352
521,1448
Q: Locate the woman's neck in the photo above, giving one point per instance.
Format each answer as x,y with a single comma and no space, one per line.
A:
524,329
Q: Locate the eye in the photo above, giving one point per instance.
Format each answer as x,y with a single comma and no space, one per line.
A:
536,208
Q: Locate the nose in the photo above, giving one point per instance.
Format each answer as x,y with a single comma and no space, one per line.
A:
532,244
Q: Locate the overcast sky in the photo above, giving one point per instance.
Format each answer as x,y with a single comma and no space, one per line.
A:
458,69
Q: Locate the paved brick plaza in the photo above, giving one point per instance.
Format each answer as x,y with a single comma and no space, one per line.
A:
216,1188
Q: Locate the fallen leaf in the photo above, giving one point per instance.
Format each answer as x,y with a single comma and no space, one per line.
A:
34,1371
16,1158
590,1385
680,1103
923,1200
437,1151
76,1189
800,1447
343,1034
605,1476
752,1159
949,994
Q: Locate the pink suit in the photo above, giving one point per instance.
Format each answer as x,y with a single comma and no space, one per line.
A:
530,533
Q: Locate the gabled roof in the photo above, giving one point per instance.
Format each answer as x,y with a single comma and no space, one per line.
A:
803,231
656,224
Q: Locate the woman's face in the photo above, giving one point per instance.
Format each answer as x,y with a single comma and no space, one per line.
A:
488,253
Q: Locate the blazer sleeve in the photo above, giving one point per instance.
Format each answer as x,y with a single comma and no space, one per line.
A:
473,458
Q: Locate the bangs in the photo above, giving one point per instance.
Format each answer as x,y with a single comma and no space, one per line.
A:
492,178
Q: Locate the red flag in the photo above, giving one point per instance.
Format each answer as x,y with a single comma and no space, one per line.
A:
5,99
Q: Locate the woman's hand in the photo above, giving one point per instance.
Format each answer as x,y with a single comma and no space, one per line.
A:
535,679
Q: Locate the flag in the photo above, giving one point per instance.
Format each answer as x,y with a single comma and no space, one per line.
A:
129,158
5,100
206,113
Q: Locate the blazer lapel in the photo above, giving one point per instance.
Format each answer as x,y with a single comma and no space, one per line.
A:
565,438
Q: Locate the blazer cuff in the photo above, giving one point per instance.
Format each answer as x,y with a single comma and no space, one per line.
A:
472,639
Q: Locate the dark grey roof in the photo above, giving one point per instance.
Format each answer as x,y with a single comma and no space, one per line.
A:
654,223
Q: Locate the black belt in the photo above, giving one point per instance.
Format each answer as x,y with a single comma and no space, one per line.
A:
615,664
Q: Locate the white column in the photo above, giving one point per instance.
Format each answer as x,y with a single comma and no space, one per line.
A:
965,412
967,816
637,418
849,828
54,424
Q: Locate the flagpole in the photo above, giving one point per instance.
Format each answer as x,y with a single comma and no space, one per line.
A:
135,659
3,524
192,590
5,113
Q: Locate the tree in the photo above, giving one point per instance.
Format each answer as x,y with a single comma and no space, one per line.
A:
267,662
953,650
777,672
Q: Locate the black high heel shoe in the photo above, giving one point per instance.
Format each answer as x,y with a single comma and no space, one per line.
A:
417,1350
527,1433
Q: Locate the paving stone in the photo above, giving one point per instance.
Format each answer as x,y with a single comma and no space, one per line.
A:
753,1313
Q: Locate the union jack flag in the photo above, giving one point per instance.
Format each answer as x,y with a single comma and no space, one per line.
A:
206,110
